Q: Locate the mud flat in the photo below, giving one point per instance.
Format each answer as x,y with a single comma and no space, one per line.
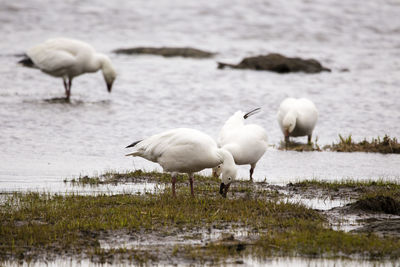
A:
256,221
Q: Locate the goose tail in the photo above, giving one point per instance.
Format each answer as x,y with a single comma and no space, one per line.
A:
134,144
133,154
27,62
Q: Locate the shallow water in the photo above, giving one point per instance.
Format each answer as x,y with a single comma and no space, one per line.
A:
44,142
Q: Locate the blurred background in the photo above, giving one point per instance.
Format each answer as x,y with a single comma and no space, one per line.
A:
42,143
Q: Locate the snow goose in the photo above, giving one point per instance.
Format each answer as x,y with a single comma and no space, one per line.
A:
246,142
68,58
297,117
188,151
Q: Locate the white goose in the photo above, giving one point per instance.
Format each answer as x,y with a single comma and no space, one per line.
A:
246,142
297,117
68,58
186,151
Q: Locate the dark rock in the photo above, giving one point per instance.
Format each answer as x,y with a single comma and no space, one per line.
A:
167,51
278,63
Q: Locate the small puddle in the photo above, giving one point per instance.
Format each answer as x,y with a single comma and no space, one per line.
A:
111,189
97,189
199,237
316,203
351,222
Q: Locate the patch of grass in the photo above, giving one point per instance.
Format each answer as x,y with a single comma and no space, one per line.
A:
136,176
34,225
383,145
304,239
335,185
37,224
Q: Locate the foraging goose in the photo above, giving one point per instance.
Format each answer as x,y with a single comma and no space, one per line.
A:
68,58
297,117
246,142
186,151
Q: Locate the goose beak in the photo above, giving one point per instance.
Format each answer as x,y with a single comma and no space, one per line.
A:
223,189
109,86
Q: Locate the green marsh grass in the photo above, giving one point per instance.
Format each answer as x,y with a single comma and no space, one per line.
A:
383,145
349,183
138,176
33,225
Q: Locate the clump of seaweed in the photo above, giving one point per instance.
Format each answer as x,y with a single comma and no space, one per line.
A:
383,145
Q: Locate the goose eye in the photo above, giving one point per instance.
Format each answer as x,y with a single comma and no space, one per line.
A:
229,178
219,166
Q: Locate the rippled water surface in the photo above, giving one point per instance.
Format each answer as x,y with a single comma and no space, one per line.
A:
41,142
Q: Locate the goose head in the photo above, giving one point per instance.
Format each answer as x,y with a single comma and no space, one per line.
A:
288,124
108,70
227,170
228,176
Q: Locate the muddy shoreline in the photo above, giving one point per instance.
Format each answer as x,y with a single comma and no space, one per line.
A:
257,220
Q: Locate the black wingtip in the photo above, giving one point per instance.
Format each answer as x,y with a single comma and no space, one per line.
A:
134,144
254,111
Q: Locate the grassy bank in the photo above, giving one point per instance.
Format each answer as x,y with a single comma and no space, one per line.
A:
384,145
37,225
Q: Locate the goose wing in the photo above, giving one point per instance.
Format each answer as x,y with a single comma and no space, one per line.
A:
51,60
176,140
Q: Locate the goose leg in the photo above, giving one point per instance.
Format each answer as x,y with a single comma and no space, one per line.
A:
251,171
69,88
173,180
191,184
65,86
309,139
